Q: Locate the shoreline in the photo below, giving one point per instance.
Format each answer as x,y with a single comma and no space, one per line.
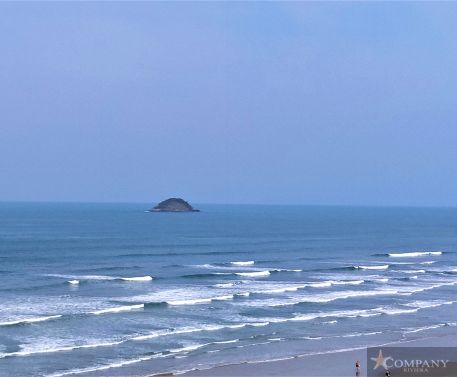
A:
336,363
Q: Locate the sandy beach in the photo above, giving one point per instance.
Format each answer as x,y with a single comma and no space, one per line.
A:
331,364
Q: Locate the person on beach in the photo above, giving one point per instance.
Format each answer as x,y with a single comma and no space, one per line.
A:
357,368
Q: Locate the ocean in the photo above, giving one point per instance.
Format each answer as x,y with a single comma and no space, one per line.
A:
109,289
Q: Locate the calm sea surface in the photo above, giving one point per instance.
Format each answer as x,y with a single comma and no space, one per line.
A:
105,289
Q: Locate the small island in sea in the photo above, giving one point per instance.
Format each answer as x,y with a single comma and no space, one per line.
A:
173,205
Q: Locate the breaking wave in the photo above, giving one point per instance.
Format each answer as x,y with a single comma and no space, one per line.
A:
414,254
29,320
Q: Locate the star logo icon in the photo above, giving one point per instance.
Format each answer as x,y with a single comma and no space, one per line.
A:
381,360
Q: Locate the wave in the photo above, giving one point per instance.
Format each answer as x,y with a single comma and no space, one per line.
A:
395,311
355,313
156,334
138,278
379,280
201,300
243,263
207,275
58,349
78,278
186,330
312,337
73,282
356,334
253,274
415,306
414,254
328,283
347,282
428,304
424,328
283,288
407,278
338,295
118,309
29,320
90,345
117,364
83,277
412,271
190,348
224,285
227,341
374,267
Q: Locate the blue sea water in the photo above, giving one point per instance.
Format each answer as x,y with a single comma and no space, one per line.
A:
108,289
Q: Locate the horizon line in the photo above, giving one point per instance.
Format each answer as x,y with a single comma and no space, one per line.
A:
234,204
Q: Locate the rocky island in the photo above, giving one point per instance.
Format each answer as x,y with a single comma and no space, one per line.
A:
173,205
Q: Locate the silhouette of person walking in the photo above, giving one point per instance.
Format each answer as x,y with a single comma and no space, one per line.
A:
357,368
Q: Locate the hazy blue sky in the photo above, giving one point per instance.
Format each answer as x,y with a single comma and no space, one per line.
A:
313,103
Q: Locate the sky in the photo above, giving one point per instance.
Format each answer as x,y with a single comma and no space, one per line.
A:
217,102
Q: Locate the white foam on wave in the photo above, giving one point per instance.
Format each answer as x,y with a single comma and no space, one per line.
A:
428,304
285,270
380,280
189,348
374,267
138,278
428,262
412,271
414,254
412,290
83,277
243,263
329,283
337,295
283,288
37,350
118,309
355,313
75,279
190,302
200,300
424,328
182,330
320,284
357,334
347,282
29,320
209,266
253,274
394,311
224,285
312,337
117,364
331,314
227,341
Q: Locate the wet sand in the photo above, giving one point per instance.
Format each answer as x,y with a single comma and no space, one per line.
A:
341,364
